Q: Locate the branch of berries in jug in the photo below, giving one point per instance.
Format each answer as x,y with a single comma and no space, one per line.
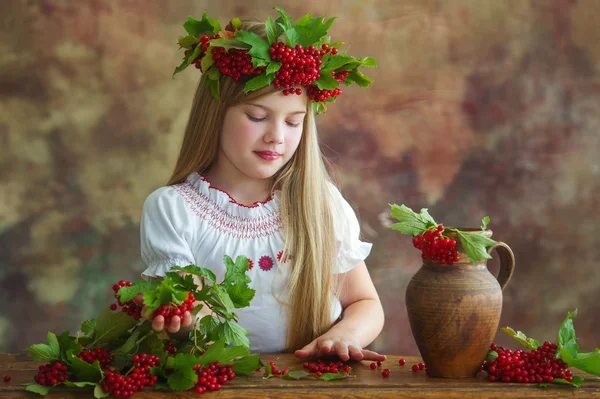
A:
432,238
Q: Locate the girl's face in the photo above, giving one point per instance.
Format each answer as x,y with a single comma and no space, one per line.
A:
259,137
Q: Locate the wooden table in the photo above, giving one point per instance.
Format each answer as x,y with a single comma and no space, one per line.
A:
367,383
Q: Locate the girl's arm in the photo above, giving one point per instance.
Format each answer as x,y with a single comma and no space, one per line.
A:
361,322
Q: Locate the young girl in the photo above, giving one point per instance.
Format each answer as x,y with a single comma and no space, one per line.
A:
250,180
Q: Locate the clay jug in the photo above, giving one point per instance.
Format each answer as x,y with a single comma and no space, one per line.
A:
454,310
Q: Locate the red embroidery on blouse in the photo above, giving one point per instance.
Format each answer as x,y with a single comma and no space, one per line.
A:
231,199
281,257
236,226
265,263
250,264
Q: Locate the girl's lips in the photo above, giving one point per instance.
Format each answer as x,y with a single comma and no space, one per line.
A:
268,155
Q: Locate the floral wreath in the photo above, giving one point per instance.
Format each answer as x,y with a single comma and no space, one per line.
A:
307,58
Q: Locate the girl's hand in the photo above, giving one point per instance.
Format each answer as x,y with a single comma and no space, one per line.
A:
344,344
158,323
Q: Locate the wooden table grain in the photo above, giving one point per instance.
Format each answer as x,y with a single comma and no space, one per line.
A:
365,383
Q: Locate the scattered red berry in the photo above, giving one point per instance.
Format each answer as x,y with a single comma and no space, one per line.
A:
401,362
415,367
379,363
6,378
436,247
536,366
373,366
385,373
421,366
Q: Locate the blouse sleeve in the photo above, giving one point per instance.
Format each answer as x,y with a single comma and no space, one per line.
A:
350,249
166,231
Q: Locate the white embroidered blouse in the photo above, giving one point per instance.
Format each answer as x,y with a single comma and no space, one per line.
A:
194,223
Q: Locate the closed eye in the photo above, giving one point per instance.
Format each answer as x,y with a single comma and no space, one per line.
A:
293,124
253,119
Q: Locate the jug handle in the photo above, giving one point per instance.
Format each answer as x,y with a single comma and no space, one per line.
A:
507,262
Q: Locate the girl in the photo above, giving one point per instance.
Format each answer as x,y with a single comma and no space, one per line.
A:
250,180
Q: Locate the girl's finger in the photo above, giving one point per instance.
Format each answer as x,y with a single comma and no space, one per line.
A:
355,352
308,351
158,323
342,350
187,319
326,345
370,355
175,324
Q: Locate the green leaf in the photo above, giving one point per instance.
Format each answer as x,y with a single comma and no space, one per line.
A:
99,393
484,222
157,371
426,217
206,25
111,326
84,371
80,384
53,342
326,81
184,377
258,62
529,343
273,31
237,23
577,381
335,62
258,82
273,67
313,30
228,44
303,20
213,82
588,362
475,245
319,107
359,78
129,345
126,294
67,343
88,327
292,37
236,272
240,295
227,355
155,346
235,334
284,18
43,353
246,365
187,60
212,354
296,374
333,376
207,61
368,62
410,222
188,41
566,334
208,324
37,388
198,271
259,46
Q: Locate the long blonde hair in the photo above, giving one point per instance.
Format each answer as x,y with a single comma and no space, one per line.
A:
305,203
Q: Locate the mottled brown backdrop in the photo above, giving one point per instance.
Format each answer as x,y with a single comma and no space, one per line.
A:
478,107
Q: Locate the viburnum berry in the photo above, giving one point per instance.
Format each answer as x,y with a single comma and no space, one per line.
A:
6,378
401,362
129,307
168,311
212,377
319,368
51,374
373,366
139,378
536,366
415,367
385,372
100,354
235,63
436,247
379,363
170,348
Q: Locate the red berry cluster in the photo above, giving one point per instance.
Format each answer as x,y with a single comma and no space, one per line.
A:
129,307
91,355
204,43
235,63
276,371
536,366
140,378
299,66
318,95
51,374
170,348
168,311
319,368
436,247
212,377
